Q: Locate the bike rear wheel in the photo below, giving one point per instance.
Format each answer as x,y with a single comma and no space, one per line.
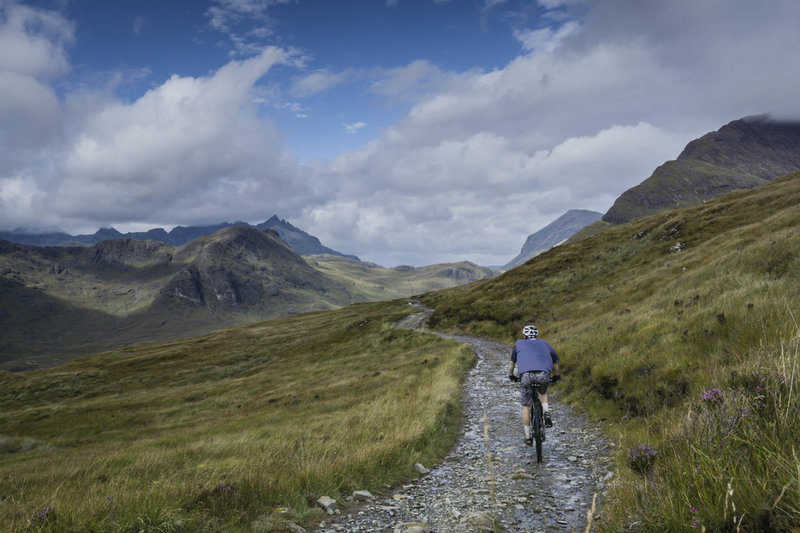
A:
538,428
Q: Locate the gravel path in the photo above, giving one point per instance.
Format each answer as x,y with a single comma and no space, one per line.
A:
459,495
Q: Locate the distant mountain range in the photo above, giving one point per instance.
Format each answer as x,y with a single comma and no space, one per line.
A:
554,233
60,302
300,241
743,154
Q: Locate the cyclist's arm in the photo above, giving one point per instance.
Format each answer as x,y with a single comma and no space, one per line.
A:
511,365
555,369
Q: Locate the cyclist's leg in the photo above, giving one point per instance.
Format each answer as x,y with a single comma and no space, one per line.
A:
542,392
526,393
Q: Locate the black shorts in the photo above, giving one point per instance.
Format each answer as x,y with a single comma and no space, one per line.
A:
531,382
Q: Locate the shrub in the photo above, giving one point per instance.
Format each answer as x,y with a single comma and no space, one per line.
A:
641,458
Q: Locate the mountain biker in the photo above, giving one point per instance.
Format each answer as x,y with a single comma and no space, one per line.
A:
536,360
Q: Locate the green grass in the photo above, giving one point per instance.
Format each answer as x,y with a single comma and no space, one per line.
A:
644,330
220,432
727,462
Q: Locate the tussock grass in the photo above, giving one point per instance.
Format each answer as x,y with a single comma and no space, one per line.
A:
236,430
647,317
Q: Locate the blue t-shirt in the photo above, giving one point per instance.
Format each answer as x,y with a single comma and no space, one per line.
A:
533,354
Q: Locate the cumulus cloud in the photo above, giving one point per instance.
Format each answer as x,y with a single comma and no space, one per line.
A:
192,148
594,104
546,39
480,196
591,105
33,52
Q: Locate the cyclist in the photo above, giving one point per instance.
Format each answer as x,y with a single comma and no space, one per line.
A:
536,360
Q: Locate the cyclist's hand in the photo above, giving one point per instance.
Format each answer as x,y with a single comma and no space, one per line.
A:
555,378
513,378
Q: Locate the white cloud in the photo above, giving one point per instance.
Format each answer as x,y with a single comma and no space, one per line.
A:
191,148
32,53
317,82
482,159
546,39
353,127
480,196
246,22
591,109
33,42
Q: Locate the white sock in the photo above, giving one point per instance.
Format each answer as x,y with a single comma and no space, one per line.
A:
545,407
527,432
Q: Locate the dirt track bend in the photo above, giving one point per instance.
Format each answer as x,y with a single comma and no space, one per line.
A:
456,495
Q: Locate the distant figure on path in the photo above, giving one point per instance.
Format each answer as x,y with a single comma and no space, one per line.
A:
536,360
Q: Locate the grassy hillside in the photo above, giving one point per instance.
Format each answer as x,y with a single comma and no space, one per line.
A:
592,229
372,282
237,430
681,329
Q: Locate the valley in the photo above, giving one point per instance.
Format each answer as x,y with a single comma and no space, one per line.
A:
173,404
650,319
63,302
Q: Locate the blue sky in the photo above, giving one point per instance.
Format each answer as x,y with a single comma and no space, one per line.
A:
403,131
354,42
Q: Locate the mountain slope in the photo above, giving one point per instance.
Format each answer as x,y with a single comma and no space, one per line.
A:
554,233
300,241
743,154
374,282
60,302
75,300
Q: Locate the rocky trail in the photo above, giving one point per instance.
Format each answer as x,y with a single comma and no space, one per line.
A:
504,489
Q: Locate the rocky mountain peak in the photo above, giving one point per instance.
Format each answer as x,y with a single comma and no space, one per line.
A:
743,154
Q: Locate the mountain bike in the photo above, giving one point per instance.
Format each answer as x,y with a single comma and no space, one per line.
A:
537,423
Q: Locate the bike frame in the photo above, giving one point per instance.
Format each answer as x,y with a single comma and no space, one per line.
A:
537,425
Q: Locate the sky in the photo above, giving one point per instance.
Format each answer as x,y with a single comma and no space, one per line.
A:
402,131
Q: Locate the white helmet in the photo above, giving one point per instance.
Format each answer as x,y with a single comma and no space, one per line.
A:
530,332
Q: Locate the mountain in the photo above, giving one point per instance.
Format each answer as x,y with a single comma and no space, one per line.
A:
60,302
743,154
57,303
375,282
554,233
300,241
